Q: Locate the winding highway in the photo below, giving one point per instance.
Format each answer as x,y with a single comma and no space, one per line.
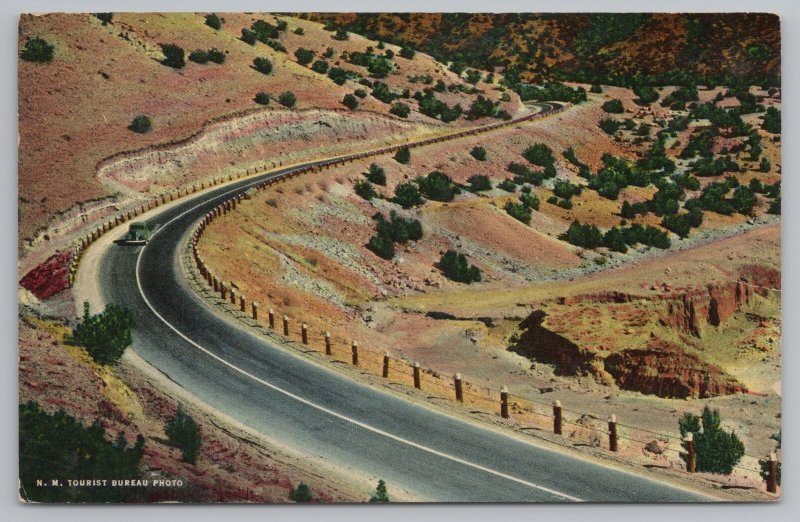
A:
431,455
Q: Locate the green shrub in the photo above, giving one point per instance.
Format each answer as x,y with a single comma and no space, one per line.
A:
141,124
262,65
214,21
398,229
407,53
646,94
361,93
350,101
479,183
479,153
329,53
407,195
381,91
455,267
381,246
302,493
299,31
287,99
609,126
341,34
403,155
678,223
199,56
248,36
615,240
775,206
215,55
304,56
507,185
584,236
104,17
380,493
518,211
173,56
596,89
184,433
474,76
37,50
320,66
400,109
743,200
365,190
772,121
613,106
530,200
262,98
438,186
539,154
58,447
376,174
565,189
765,165
105,335
717,450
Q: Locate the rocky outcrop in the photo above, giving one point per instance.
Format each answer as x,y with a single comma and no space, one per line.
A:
539,343
666,370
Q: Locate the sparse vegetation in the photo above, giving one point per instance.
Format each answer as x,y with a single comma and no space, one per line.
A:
365,190
407,195
214,21
262,65
262,98
105,18
59,447
287,99
519,211
613,106
304,56
437,186
400,109
300,494
37,50
105,335
403,155
376,174
717,450
141,124
184,433
173,56
381,494
350,101
455,267
478,152
479,183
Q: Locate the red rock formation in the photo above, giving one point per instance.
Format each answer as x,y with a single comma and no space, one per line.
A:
50,277
666,370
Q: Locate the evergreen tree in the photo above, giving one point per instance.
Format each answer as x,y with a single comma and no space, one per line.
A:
173,56
717,450
184,433
302,493
381,495
106,335
455,267
407,195
214,21
403,155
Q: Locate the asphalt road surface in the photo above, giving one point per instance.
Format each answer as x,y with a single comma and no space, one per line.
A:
433,456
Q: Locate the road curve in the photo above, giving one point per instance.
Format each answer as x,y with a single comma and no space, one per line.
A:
432,456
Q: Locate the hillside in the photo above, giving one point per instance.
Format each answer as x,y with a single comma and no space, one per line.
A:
75,110
601,48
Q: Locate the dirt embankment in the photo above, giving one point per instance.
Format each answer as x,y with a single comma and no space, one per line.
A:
651,365
231,467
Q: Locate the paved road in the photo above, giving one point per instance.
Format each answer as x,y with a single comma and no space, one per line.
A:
432,456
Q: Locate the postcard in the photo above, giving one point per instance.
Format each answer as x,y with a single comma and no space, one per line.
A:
399,257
